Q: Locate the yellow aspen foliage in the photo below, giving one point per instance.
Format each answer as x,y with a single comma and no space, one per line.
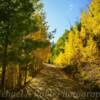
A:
91,19
42,54
83,32
64,58
89,52
39,36
60,60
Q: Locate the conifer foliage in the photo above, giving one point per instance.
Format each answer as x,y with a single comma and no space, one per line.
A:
19,21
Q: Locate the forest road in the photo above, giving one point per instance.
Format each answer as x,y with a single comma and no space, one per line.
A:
50,83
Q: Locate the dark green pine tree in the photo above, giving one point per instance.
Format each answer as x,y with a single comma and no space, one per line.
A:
16,21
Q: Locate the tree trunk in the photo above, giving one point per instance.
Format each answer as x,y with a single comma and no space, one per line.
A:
26,69
25,75
20,77
4,62
3,76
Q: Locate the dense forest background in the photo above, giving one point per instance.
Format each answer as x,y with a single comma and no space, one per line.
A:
25,45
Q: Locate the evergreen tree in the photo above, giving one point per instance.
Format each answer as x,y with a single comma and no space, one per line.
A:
16,21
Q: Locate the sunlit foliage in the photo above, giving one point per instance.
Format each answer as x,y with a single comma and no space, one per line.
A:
82,47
